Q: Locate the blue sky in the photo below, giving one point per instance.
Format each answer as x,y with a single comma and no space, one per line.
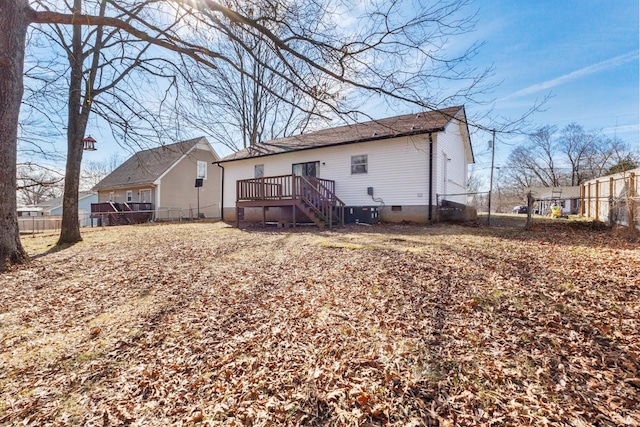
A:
584,53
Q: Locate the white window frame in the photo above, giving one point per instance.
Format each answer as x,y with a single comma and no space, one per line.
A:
112,196
201,170
129,197
356,168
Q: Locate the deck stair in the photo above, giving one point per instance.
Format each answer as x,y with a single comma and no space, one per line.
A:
314,198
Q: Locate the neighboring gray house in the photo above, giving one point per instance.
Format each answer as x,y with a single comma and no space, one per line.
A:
85,199
567,197
400,165
161,182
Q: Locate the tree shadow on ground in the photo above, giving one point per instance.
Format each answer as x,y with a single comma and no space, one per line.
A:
53,249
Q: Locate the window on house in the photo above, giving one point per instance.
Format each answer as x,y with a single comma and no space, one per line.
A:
306,169
258,171
129,196
112,197
202,170
359,164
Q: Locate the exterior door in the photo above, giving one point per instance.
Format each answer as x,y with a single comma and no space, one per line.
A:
145,196
306,169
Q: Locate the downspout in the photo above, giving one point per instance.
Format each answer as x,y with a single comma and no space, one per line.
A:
430,177
221,192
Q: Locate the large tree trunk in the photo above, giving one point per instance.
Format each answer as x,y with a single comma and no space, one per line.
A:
70,228
78,115
13,30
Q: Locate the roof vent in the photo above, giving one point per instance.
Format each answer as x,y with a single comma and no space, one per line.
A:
413,128
419,115
375,133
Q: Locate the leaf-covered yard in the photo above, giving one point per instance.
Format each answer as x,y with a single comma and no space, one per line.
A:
204,324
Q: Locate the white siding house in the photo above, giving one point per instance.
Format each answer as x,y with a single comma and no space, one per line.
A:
390,156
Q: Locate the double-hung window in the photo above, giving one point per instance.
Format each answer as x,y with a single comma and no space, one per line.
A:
359,164
202,170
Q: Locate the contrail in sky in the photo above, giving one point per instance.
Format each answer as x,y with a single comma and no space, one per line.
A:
591,69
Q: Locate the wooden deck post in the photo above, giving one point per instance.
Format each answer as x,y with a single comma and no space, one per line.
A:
293,214
264,216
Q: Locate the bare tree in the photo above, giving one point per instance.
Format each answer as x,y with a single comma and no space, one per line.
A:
97,73
239,109
567,158
94,171
37,183
384,51
578,146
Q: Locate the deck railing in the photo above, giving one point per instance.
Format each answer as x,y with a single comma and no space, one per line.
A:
280,187
120,207
122,213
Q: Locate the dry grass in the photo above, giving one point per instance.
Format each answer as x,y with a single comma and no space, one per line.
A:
203,324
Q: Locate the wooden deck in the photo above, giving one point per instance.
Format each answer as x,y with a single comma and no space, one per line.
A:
314,198
112,213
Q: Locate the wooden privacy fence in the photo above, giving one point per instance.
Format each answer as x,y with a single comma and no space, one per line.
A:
39,224
613,199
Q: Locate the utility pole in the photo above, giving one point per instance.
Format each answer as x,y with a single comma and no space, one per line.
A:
493,156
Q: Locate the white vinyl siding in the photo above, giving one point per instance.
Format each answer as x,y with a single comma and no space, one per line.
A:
451,175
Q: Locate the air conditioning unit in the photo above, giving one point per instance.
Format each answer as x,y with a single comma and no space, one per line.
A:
361,214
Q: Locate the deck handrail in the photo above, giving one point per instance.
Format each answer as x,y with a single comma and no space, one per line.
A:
320,199
111,207
264,188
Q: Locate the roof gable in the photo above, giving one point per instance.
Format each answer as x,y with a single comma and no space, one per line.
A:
56,202
392,127
147,166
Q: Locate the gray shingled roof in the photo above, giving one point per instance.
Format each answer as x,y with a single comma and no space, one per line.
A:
146,166
409,124
57,201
